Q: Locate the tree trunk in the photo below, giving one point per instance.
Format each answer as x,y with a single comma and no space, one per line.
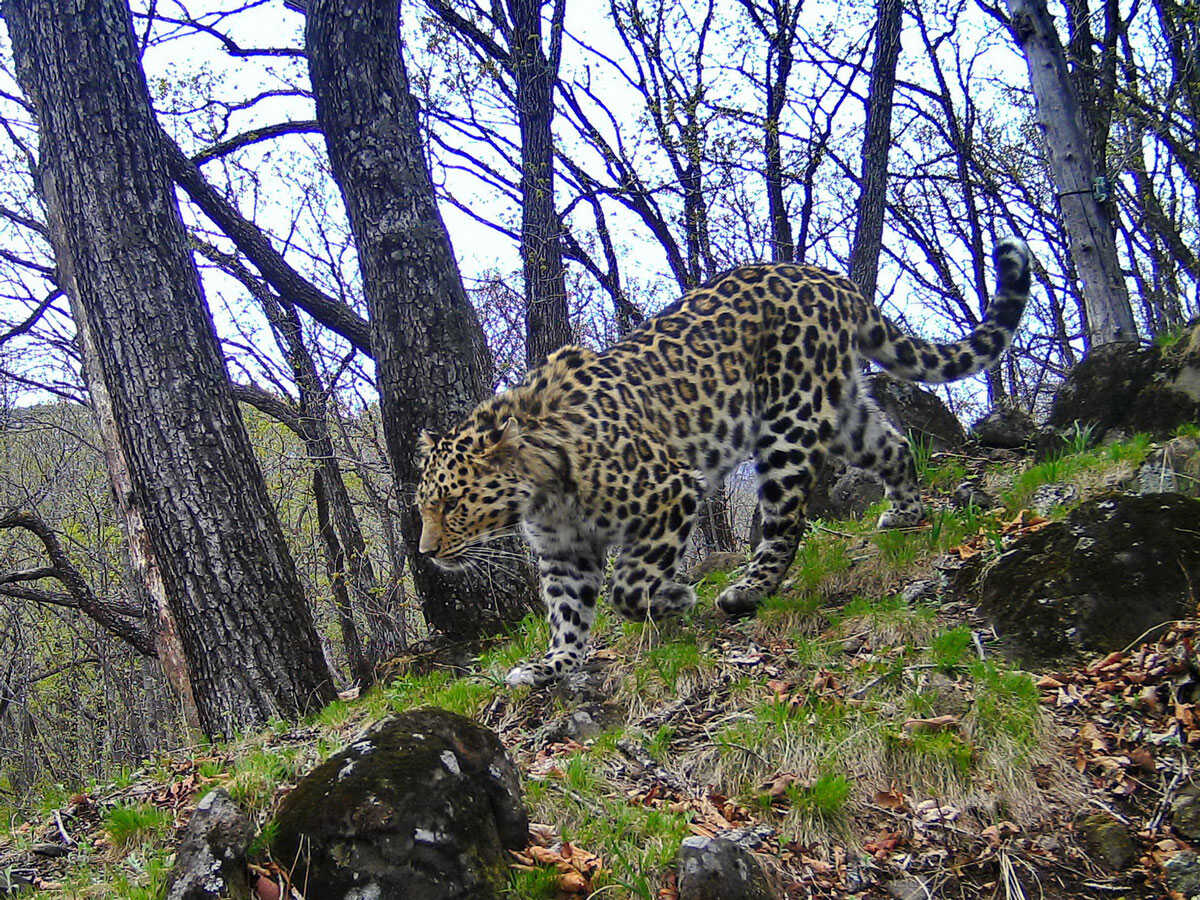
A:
1068,147
547,321
246,630
872,187
430,354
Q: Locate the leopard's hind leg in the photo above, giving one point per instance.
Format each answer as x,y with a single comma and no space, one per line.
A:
793,441
868,440
643,583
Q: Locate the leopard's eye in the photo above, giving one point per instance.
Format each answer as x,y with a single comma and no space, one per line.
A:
448,504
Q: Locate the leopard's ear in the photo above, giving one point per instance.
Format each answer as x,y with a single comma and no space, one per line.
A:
425,444
501,444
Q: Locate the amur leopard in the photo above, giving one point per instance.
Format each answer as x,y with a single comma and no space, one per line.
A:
616,449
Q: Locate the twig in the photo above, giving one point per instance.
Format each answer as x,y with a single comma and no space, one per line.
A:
67,839
978,644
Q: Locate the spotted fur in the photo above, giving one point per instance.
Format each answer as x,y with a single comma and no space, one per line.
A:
617,449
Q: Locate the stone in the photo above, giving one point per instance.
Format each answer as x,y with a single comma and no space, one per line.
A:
970,494
1182,873
211,860
852,493
1004,425
577,725
1048,497
421,805
844,492
716,562
15,882
914,410
1095,582
1133,388
721,869
923,590
1175,469
1107,841
1185,812
907,889
50,849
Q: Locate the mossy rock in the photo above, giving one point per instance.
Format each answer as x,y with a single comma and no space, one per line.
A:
421,805
1132,388
1114,569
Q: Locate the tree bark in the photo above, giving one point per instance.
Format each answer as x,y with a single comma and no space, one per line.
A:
547,321
872,187
430,354
245,626
1068,148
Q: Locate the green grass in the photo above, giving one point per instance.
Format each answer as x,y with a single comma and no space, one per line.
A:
944,747
1074,461
539,884
944,476
136,823
824,798
950,648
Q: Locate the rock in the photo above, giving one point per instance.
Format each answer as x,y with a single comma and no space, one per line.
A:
14,882
1107,840
211,860
1173,469
1133,388
1185,812
421,805
916,410
851,493
844,492
922,590
577,725
721,869
1182,873
1095,582
49,849
970,494
716,562
1050,496
907,889
1004,425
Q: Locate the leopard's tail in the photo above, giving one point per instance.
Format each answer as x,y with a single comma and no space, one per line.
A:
914,359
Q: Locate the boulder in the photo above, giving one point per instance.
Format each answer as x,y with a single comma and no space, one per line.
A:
1048,497
914,409
845,492
421,805
210,863
721,561
719,868
1095,582
1185,812
1173,469
1182,874
1107,840
1004,425
1133,388
970,494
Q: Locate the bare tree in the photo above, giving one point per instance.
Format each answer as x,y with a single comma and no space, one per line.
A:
117,234
430,354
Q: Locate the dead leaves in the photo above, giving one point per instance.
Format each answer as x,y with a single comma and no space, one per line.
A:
575,868
1025,522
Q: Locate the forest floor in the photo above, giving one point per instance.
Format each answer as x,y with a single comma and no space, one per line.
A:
868,734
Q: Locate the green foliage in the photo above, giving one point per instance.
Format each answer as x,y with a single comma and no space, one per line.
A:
1080,437
921,446
1006,703
945,475
945,747
136,823
950,647
825,797
672,659
1075,460
539,884
899,549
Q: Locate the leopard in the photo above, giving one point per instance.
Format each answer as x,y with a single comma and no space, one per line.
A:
614,450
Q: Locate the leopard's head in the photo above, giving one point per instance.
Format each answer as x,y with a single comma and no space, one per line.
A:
470,490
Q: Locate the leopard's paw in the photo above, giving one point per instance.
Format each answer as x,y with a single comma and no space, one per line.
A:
738,601
531,673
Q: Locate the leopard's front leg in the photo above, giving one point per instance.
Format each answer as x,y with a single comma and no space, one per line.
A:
569,584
